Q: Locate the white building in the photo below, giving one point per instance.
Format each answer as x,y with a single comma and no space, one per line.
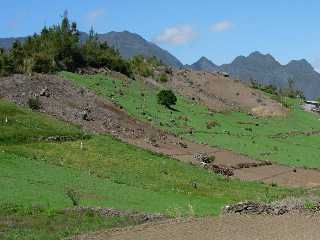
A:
313,106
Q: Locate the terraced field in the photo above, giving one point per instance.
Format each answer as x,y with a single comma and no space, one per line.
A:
36,174
292,140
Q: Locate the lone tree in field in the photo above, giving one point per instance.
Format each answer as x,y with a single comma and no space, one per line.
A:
167,98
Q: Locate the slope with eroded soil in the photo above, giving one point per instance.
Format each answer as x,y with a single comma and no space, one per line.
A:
222,94
47,166
64,100
78,105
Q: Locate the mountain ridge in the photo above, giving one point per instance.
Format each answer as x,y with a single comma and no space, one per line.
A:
265,69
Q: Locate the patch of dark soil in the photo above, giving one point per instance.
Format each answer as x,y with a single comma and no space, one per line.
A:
58,138
219,169
254,208
252,164
110,212
93,71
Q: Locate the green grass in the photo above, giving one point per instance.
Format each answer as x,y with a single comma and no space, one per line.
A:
42,224
36,174
23,125
113,174
108,172
257,139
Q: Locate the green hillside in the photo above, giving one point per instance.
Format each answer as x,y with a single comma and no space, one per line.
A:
290,141
36,175
18,125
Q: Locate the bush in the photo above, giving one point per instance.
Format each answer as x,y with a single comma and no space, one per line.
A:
142,66
210,159
58,48
166,98
163,77
34,103
42,63
73,196
6,64
211,124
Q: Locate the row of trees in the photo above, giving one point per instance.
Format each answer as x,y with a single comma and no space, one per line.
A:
58,48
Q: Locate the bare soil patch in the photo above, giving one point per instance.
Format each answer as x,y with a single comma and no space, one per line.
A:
242,227
221,93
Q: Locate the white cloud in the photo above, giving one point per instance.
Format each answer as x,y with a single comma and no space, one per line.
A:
94,14
176,35
221,26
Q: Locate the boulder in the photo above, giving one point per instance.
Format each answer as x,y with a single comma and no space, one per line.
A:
201,157
255,208
45,92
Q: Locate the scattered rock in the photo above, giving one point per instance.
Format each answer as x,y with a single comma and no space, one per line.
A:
57,138
93,71
45,92
183,145
109,212
85,115
110,123
252,165
254,208
218,169
201,157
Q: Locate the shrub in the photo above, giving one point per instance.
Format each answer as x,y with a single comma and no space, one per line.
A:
6,64
210,159
211,124
142,66
73,196
166,98
163,78
183,118
34,103
59,48
42,63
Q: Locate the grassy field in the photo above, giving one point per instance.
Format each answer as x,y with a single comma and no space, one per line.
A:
107,173
43,224
112,174
19,125
282,140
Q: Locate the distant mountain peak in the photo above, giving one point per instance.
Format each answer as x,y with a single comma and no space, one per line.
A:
204,64
258,56
255,53
129,44
265,69
302,65
132,44
203,58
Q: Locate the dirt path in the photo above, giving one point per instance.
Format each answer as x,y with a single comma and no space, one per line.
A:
286,227
63,100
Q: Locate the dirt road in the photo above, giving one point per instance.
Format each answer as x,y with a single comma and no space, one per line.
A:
286,227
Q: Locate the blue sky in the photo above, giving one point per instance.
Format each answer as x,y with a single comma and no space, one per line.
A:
219,30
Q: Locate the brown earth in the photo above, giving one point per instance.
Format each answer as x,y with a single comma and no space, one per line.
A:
239,227
221,93
60,98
